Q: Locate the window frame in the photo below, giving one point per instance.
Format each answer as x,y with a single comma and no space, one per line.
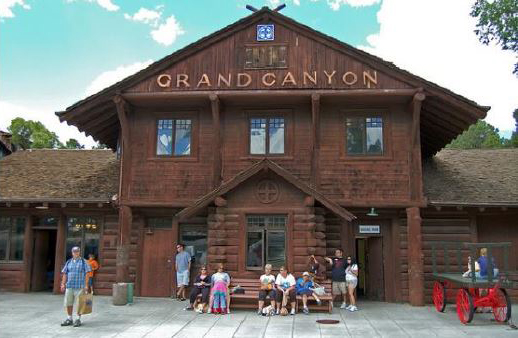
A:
8,246
385,115
242,56
182,114
100,224
269,113
264,232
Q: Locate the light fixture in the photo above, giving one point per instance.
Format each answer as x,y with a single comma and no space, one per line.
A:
43,206
372,212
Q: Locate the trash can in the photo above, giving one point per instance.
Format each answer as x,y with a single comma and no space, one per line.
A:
130,292
120,294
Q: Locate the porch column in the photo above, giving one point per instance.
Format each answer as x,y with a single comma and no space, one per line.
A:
123,246
216,141
60,251
415,260
315,141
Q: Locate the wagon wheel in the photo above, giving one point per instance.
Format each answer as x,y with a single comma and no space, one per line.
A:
465,308
439,296
502,307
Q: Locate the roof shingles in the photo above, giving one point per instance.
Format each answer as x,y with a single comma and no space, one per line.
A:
48,174
474,176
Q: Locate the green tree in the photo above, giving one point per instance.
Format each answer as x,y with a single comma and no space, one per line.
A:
100,146
478,135
498,22
72,143
32,134
513,142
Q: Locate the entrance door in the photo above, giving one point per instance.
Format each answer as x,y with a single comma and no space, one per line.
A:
370,260
156,263
42,276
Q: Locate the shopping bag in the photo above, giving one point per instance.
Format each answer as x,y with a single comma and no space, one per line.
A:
319,290
85,303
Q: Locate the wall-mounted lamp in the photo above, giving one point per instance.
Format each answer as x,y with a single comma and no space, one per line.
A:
372,212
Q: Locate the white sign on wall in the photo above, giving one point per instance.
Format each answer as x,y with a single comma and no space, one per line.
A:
369,229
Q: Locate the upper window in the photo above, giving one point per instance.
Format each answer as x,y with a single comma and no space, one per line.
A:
264,56
12,233
85,233
266,241
267,136
364,135
160,222
174,137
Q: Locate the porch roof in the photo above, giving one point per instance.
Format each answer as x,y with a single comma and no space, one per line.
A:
264,164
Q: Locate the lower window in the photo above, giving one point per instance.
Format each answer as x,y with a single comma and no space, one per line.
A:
85,233
12,233
265,241
194,237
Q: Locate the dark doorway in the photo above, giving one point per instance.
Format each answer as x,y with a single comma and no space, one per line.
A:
369,254
44,257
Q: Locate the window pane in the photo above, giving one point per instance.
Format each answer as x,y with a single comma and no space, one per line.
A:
47,221
374,135
355,132
17,235
276,255
164,143
276,136
160,222
195,240
74,234
92,235
254,250
257,136
5,226
182,142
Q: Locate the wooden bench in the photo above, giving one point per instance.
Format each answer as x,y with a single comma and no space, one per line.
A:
249,299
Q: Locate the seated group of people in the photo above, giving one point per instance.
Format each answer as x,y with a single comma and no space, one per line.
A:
283,289
213,289
481,266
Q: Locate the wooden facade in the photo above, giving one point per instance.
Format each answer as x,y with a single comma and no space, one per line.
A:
316,194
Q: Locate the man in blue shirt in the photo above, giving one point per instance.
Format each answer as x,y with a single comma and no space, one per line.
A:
74,282
182,266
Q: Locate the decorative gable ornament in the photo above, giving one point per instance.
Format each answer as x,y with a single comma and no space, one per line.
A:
266,32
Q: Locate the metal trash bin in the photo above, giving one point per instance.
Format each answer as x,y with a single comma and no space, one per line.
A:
131,287
120,294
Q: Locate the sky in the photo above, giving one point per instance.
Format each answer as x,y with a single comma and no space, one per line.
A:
56,52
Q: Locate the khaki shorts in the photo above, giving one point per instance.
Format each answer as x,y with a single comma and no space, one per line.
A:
72,296
339,288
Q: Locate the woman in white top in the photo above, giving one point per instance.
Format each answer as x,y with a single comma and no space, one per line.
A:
285,284
267,288
351,280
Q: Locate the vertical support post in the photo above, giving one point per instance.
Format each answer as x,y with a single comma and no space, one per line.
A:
216,141
173,255
60,251
123,246
315,140
416,180
27,251
415,261
125,213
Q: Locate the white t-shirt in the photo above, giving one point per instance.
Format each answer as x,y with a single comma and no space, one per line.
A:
267,279
285,282
349,272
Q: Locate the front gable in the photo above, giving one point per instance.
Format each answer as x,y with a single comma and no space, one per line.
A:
294,59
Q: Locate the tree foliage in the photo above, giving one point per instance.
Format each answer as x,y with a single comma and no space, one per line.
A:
100,146
479,135
513,142
498,22
72,143
29,134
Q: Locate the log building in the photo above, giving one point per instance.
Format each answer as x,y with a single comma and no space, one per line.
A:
264,142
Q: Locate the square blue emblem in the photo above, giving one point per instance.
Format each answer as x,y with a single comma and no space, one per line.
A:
265,32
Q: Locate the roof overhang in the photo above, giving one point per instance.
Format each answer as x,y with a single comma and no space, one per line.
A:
264,164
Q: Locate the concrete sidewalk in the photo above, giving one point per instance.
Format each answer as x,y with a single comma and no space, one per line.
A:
40,315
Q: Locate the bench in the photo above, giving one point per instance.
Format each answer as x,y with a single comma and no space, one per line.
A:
248,300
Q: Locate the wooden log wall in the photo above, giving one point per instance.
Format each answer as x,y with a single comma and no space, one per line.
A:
12,277
309,237
223,238
106,275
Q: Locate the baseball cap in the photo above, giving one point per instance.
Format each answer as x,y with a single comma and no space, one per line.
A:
305,273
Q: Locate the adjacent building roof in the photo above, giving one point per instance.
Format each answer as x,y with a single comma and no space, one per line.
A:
477,177
59,175
472,177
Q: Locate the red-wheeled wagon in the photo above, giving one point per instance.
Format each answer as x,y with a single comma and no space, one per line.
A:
472,292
